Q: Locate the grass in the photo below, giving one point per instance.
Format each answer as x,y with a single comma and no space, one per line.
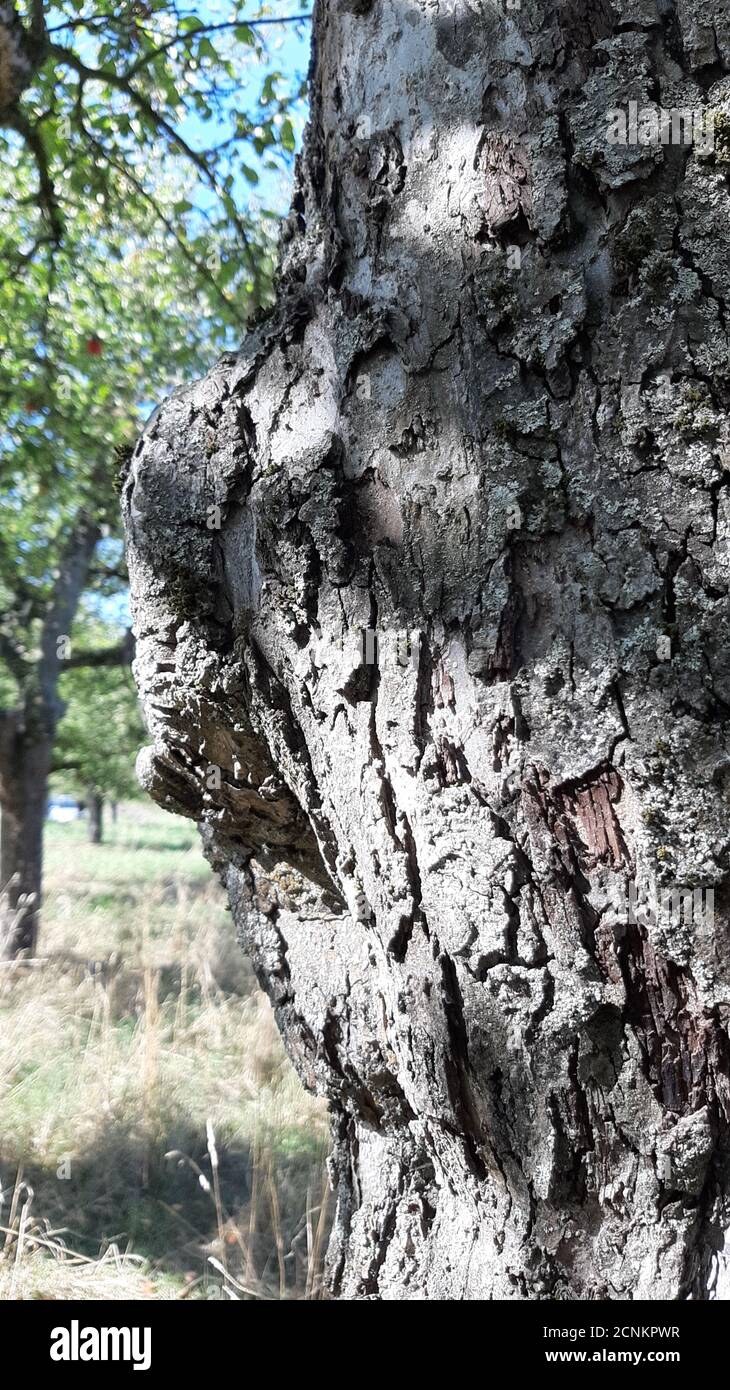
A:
155,1141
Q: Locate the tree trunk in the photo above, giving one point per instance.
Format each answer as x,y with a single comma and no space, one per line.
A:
95,804
24,780
27,734
430,584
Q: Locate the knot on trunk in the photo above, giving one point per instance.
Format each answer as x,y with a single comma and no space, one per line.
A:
194,587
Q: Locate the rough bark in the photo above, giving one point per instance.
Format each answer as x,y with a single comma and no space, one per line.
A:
432,861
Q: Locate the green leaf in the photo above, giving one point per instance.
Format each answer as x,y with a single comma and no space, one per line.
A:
268,91
207,50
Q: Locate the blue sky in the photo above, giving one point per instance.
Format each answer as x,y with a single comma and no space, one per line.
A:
288,48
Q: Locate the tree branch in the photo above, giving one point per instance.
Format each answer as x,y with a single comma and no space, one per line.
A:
13,658
109,572
71,579
120,82
169,226
95,21
18,121
119,655
38,29
211,29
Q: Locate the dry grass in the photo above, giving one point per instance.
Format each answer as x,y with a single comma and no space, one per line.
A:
154,1139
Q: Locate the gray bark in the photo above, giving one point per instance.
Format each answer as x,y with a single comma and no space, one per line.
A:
433,861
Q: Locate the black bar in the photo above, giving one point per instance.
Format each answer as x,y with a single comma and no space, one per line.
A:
207,1340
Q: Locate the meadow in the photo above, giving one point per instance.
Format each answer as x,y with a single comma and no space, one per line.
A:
155,1142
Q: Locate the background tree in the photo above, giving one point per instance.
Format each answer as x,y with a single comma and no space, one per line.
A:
86,95
490,410
78,353
101,729
118,279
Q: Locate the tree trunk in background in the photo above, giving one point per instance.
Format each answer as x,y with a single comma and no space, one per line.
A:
488,411
95,804
27,735
24,770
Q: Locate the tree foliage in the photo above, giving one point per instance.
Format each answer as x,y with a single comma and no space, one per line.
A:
102,727
91,95
132,250
86,339
128,260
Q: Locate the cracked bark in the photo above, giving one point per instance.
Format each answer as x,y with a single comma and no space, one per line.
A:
429,860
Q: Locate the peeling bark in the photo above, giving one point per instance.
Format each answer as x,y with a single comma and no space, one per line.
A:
518,465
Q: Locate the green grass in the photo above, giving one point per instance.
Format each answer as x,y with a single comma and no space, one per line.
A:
149,1119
